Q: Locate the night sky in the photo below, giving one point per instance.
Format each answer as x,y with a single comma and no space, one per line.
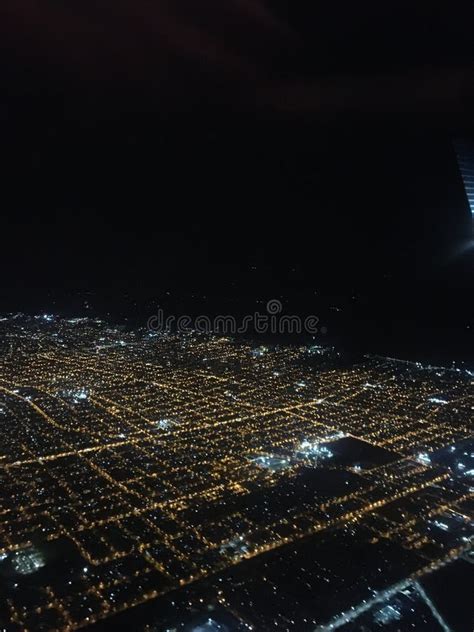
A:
214,154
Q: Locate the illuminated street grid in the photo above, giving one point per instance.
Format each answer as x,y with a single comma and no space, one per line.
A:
130,462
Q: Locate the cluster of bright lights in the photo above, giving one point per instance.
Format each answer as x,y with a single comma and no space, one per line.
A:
437,400
236,546
441,525
315,449
164,424
47,317
424,458
271,462
387,614
77,396
27,561
259,352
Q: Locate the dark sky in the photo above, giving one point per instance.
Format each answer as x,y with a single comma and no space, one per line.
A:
316,57
175,144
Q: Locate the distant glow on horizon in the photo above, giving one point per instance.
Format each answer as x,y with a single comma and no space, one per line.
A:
465,154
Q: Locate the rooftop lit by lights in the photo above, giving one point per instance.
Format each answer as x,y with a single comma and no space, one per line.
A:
27,561
164,424
441,525
237,546
387,615
424,458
